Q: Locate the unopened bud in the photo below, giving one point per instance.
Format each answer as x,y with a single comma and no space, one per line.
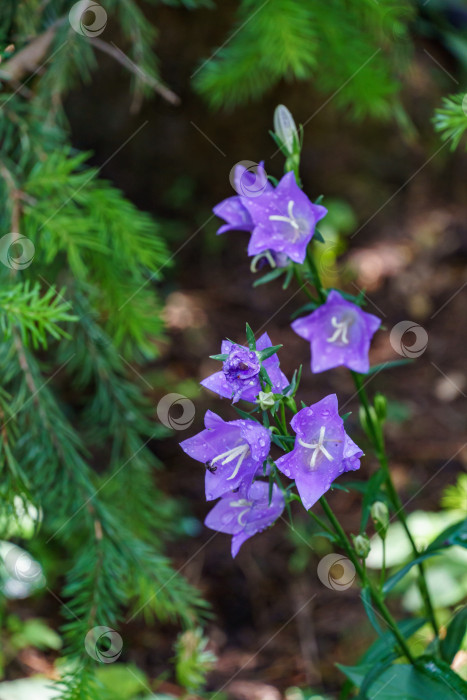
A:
380,515
361,545
381,406
285,129
265,400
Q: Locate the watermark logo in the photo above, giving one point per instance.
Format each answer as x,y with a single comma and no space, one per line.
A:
176,411
88,18
336,572
406,344
103,644
249,179
16,251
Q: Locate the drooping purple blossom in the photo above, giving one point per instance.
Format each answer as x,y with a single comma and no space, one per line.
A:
284,220
340,333
322,450
247,184
246,513
239,377
232,451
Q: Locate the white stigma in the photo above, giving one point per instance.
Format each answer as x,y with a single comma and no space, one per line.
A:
290,219
239,452
341,331
241,503
317,447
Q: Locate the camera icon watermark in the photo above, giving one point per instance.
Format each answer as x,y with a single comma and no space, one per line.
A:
16,251
175,411
336,572
249,179
87,18
103,644
404,344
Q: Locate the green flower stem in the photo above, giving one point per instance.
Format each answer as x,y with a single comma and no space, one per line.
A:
361,571
377,440
379,447
375,593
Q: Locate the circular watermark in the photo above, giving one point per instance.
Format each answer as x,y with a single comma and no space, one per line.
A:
249,179
103,644
406,344
16,251
176,411
336,572
88,18
21,566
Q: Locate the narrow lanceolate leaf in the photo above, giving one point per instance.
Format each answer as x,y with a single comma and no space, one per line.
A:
222,357
394,580
250,337
268,352
454,534
455,633
269,276
388,365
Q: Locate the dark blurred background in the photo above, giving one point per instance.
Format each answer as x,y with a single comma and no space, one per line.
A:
404,193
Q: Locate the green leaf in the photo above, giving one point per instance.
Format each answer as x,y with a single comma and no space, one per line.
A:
222,357
318,236
269,276
440,671
455,634
250,337
454,534
368,605
268,352
404,682
391,582
388,365
384,647
309,306
288,278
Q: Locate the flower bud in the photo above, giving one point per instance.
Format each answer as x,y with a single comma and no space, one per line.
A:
381,406
265,400
380,515
285,129
362,546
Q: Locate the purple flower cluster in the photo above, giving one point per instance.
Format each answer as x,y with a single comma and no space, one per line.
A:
239,377
281,220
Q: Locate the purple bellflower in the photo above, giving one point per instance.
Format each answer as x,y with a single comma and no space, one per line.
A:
239,377
322,450
246,513
248,185
284,220
340,333
233,452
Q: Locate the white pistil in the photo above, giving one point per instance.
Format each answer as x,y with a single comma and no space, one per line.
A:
290,219
317,447
340,333
239,452
241,503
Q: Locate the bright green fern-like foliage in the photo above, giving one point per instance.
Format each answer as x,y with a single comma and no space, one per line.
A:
78,308
353,50
451,119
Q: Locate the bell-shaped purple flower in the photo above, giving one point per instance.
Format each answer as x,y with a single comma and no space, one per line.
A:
248,184
239,377
284,220
340,333
322,450
233,452
246,513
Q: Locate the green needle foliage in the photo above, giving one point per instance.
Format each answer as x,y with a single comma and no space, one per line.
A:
451,119
351,49
78,309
